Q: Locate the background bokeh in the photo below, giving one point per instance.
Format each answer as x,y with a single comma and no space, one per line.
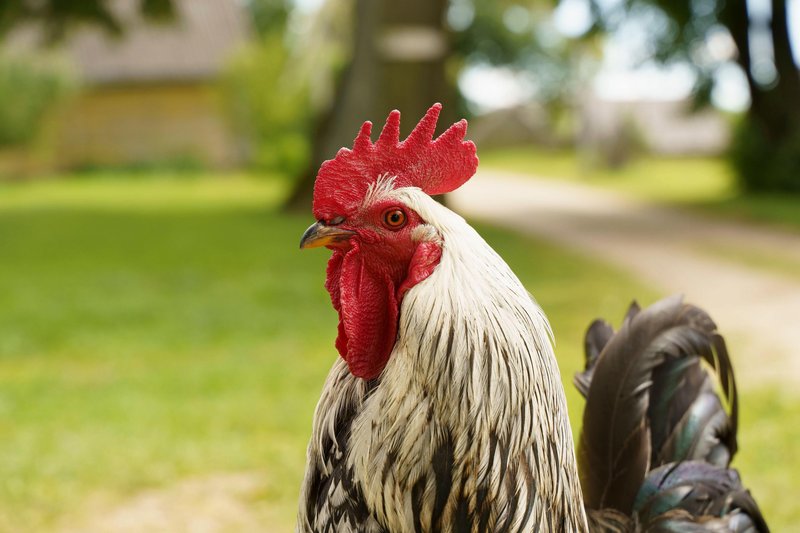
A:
162,340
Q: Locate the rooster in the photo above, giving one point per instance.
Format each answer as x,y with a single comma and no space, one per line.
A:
445,411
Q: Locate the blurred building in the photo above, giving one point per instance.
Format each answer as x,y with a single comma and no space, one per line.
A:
614,129
150,96
520,125
667,127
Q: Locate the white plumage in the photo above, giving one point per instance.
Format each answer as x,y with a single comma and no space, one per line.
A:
473,378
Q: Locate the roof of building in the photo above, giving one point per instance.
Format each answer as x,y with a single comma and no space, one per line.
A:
193,46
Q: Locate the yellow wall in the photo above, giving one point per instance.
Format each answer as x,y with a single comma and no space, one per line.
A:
142,124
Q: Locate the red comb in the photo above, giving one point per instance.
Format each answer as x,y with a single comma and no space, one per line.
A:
436,165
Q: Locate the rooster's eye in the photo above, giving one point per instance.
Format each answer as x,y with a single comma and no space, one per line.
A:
394,218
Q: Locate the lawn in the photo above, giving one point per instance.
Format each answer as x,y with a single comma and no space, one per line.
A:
704,184
158,328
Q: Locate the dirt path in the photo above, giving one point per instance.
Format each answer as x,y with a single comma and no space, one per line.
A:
223,503
757,311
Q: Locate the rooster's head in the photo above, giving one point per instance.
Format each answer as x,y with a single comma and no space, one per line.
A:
381,246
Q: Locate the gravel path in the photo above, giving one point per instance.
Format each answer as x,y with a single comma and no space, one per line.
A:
758,311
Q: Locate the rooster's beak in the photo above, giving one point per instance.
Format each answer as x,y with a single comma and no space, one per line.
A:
320,234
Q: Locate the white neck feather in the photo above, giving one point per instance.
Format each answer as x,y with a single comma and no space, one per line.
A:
474,364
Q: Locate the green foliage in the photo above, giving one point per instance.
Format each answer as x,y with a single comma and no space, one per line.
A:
163,10
764,163
677,31
481,34
267,107
519,35
57,16
269,16
30,88
621,148
766,150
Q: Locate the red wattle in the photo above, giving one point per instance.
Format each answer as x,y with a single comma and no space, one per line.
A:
367,308
425,259
368,301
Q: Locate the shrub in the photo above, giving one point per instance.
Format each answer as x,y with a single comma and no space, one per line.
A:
30,88
763,164
267,108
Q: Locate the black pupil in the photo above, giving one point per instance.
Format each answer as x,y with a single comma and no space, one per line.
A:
395,217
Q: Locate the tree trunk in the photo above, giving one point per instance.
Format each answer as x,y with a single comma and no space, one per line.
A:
398,62
785,95
766,153
782,44
352,102
770,105
736,18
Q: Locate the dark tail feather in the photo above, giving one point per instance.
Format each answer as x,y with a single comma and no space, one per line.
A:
615,447
687,418
697,488
598,335
609,521
682,522
651,402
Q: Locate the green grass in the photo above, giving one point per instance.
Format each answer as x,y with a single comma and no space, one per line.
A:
701,183
141,343
769,458
154,329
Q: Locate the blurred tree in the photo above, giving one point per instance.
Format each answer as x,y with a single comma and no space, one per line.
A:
268,110
267,107
406,55
269,16
30,87
397,61
766,151
519,35
58,15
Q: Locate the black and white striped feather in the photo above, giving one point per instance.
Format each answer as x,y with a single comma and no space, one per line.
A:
466,429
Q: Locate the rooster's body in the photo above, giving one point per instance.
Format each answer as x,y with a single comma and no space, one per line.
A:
446,411
455,429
